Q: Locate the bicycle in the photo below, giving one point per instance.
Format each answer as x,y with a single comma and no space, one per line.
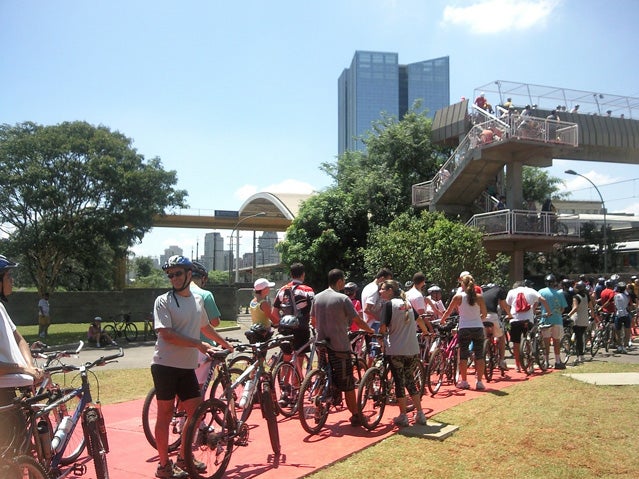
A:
604,335
149,409
492,353
149,327
532,348
444,360
214,429
318,393
377,389
121,327
49,448
21,467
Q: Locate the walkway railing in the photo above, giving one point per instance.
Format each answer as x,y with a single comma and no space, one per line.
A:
515,127
526,222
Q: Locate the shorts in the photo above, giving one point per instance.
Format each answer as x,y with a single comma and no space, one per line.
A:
300,338
342,368
170,382
556,331
474,335
403,368
498,331
44,320
517,328
622,322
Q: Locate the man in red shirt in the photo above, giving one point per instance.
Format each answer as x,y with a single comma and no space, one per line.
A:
607,299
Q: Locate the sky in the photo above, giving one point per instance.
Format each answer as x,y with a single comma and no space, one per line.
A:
241,97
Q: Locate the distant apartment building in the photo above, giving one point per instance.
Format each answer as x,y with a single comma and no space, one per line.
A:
376,82
170,251
214,257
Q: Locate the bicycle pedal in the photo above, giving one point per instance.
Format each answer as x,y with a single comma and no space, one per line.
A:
78,469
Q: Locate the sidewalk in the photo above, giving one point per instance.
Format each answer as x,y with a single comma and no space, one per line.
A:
131,457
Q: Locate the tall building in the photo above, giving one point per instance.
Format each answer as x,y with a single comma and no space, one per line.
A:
214,258
376,82
170,251
266,252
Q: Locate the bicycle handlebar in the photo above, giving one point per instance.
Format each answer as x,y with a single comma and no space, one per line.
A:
101,361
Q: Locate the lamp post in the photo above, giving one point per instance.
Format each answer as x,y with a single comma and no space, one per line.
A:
237,246
605,225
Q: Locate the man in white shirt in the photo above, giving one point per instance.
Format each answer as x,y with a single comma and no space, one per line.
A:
418,301
372,306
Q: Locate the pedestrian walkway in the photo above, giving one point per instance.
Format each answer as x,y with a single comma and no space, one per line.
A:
131,457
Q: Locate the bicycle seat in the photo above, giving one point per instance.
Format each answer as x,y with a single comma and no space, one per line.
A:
219,354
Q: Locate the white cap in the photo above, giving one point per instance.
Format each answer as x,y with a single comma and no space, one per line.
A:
464,273
262,283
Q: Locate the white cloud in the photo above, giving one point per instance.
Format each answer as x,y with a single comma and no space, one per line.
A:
245,192
632,208
498,16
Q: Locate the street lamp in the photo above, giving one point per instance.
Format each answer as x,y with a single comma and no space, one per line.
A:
605,225
237,246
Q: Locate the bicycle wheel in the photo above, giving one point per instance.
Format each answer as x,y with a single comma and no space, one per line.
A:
286,382
489,350
110,331
371,398
241,362
359,369
149,416
270,415
606,339
209,439
130,332
435,371
565,349
540,355
25,467
526,356
95,447
312,403
218,390
76,443
595,344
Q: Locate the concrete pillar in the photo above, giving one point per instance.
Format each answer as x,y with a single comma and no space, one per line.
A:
516,270
514,186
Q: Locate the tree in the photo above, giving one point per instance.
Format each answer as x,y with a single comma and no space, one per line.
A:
537,185
74,192
433,244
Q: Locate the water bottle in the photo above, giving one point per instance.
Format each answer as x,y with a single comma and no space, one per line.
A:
45,438
61,433
247,395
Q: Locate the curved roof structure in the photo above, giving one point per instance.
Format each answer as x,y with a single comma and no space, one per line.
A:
281,205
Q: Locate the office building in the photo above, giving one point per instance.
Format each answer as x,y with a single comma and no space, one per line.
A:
214,258
376,82
170,251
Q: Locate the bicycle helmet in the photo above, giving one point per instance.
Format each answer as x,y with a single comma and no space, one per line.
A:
614,278
550,280
6,264
288,324
178,261
258,333
566,283
621,286
199,270
434,289
580,286
408,284
350,287
609,283
528,283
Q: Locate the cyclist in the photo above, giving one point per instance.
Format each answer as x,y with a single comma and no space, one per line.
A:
552,314
96,336
436,306
179,318
16,362
350,290
622,317
372,305
581,302
332,314
495,297
402,348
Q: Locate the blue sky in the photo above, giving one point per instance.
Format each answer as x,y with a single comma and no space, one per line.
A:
240,97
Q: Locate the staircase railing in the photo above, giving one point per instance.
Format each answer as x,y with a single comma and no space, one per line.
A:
526,222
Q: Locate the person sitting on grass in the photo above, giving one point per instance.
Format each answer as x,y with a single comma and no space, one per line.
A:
96,336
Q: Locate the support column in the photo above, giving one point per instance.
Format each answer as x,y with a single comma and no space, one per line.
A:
514,186
516,270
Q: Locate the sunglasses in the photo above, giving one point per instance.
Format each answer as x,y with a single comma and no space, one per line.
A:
177,274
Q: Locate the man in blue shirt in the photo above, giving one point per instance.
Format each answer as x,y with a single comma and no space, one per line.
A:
556,302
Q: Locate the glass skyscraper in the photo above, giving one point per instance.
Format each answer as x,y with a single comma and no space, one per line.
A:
376,82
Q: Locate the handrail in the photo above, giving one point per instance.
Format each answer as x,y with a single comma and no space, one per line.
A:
526,222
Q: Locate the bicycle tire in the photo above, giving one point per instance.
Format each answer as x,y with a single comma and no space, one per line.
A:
435,371
218,390
565,349
419,374
286,383
595,344
76,442
130,332
209,439
526,356
110,331
312,403
149,416
241,361
270,415
489,351
95,447
540,356
25,467
606,338
371,398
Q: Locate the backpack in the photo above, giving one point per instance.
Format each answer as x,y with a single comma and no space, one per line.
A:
521,303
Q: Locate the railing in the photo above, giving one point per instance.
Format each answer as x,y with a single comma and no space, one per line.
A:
494,130
526,222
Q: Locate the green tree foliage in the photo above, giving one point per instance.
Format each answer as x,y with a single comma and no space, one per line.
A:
538,185
433,244
218,277
74,197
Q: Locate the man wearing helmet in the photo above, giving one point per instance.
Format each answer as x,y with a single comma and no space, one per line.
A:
350,290
436,306
179,317
552,311
16,363
622,317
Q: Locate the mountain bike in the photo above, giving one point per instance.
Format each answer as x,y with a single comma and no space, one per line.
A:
214,430
121,326
604,335
444,360
491,351
532,347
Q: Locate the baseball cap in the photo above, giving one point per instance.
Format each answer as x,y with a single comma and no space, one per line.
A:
262,283
464,273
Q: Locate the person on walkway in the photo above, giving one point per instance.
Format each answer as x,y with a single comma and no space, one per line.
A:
17,368
401,348
332,314
472,313
622,317
552,314
522,300
179,318
495,298
96,336
303,296
579,313
44,316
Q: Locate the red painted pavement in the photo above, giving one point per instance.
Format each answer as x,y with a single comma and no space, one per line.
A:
131,456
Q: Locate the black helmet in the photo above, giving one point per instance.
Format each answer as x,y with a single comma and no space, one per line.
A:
621,286
350,287
528,283
550,280
566,283
580,286
178,260
199,269
601,280
609,284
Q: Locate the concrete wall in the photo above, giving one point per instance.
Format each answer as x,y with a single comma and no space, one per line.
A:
81,307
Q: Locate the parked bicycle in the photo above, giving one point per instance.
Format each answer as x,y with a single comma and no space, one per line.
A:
121,325
532,348
444,360
149,327
215,428
492,353
604,335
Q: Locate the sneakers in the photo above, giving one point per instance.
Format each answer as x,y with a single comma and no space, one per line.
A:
420,418
560,366
170,471
480,386
463,385
401,421
199,465
356,420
